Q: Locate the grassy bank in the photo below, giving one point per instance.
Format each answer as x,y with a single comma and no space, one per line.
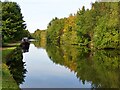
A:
6,52
7,79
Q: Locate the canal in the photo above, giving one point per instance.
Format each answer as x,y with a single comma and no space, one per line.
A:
42,72
65,66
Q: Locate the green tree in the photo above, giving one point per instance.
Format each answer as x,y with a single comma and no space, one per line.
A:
55,30
96,28
106,32
13,25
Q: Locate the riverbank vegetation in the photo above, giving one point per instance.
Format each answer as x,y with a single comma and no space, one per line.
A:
16,65
12,67
96,28
39,34
8,83
12,30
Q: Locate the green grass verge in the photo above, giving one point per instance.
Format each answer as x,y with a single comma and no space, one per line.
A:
11,44
7,80
6,52
8,83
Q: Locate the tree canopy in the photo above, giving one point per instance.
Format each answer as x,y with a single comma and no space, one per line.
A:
98,27
13,25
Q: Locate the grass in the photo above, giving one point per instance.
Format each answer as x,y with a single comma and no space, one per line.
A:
11,45
7,49
6,52
7,80
8,83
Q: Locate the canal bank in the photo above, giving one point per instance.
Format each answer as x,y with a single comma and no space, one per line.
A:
6,77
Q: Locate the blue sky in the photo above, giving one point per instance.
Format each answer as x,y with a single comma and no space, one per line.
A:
38,13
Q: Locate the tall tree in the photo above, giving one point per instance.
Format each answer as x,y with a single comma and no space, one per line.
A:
13,25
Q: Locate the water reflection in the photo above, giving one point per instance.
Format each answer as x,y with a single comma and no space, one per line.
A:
41,44
25,46
96,69
101,68
43,73
17,66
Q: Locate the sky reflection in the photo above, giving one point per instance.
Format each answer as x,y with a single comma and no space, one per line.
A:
43,73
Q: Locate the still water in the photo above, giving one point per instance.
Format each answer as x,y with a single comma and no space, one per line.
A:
42,72
49,66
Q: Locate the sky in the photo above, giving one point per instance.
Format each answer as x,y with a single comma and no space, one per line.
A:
38,13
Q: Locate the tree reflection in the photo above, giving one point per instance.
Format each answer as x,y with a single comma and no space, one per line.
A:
101,68
16,66
25,46
39,44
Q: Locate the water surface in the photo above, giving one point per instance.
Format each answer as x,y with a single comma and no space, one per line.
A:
64,66
42,72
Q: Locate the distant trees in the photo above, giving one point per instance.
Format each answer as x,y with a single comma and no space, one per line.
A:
96,28
39,34
13,25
